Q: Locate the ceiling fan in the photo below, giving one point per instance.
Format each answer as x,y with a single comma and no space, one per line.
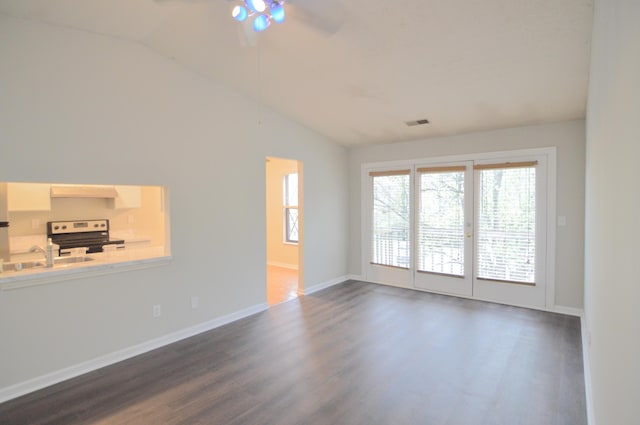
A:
326,16
265,13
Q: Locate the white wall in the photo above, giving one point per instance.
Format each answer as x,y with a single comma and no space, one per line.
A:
278,252
82,108
612,266
567,137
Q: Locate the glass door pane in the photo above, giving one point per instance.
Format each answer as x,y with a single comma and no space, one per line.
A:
506,239
391,220
441,222
444,220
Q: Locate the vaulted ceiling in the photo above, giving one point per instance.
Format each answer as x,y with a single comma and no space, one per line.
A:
364,68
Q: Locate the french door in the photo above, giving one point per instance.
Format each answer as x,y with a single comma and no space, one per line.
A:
475,228
511,231
390,224
444,226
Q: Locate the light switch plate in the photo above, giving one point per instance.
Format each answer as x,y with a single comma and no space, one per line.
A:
562,220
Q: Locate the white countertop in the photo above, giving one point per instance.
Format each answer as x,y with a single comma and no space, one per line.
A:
102,263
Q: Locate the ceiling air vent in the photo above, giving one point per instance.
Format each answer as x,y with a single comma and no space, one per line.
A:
417,122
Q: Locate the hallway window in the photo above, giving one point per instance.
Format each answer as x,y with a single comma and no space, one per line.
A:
291,207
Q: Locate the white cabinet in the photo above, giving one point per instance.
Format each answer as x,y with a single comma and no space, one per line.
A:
128,197
28,197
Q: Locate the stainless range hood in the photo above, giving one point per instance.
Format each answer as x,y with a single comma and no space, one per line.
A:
83,191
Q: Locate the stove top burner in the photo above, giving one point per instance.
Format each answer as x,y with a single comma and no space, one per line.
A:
91,234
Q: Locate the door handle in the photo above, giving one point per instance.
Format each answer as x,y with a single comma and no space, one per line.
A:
468,235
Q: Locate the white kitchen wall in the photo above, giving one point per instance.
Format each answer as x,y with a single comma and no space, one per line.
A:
612,266
78,107
567,137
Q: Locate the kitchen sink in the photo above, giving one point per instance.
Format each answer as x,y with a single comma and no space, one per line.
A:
71,260
22,265
17,266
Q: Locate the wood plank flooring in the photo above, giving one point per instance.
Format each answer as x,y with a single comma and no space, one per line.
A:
355,353
282,284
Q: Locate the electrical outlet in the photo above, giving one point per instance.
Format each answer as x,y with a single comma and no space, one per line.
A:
195,302
35,223
156,310
130,219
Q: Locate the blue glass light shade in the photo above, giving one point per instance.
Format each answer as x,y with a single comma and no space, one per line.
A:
256,5
261,23
277,12
239,13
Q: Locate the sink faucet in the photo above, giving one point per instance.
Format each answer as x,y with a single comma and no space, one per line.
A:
36,248
48,254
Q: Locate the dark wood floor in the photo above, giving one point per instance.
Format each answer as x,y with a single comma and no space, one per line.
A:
355,353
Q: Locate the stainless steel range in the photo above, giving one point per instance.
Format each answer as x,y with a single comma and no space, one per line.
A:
90,234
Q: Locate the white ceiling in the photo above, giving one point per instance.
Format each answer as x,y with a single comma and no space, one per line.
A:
466,65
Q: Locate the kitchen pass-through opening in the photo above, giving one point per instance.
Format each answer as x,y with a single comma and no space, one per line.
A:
121,219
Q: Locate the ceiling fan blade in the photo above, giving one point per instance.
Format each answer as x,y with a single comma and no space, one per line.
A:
327,16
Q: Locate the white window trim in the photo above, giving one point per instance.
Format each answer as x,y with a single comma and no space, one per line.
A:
285,226
549,152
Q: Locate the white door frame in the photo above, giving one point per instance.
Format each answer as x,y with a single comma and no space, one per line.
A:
549,153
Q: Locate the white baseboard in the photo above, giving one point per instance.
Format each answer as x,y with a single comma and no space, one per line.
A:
355,277
283,265
591,419
324,285
570,311
52,378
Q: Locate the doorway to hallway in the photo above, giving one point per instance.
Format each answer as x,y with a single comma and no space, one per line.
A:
284,219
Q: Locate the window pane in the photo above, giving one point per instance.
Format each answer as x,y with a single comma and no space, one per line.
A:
292,224
390,244
506,224
291,190
441,223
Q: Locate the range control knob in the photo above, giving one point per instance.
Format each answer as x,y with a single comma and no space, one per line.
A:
95,225
64,227
56,227
103,225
